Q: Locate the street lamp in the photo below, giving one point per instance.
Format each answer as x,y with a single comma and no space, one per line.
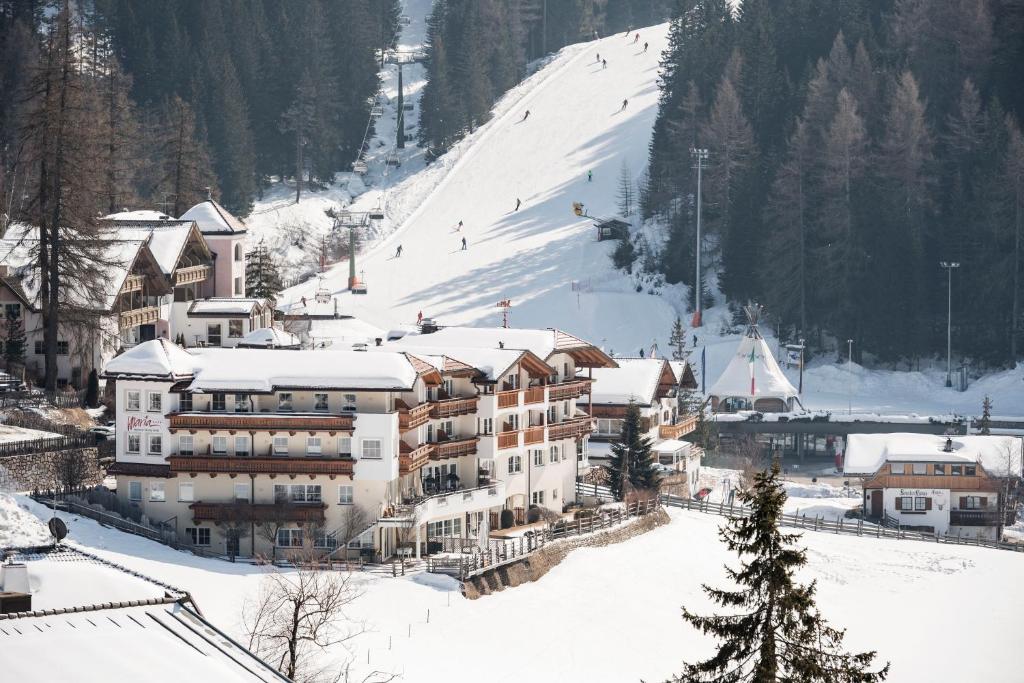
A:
849,386
949,266
701,155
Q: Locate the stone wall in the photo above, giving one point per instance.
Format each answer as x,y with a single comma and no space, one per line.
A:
538,564
43,471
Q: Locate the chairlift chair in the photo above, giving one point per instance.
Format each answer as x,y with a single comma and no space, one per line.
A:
393,159
360,167
377,111
404,20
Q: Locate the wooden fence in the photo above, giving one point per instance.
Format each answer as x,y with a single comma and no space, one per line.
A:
55,443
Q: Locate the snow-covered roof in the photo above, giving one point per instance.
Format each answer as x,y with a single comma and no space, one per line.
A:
492,363
213,219
769,381
166,239
158,358
670,445
542,343
270,338
223,306
138,215
336,331
866,453
636,379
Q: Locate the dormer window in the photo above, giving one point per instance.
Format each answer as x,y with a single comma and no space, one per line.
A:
284,401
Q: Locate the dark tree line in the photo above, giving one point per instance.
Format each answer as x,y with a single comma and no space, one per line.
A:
853,146
478,49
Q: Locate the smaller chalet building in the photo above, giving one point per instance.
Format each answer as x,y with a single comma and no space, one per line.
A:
947,485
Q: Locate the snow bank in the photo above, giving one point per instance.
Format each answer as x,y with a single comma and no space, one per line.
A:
19,527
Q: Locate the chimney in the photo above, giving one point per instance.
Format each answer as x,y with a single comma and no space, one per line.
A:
949,445
209,194
501,345
378,341
14,578
335,307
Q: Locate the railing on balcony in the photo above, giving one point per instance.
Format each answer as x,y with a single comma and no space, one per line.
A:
508,399
133,283
261,421
570,389
452,407
410,418
261,465
570,429
146,315
508,440
532,435
190,274
683,426
533,395
979,517
454,448
412,459
259,512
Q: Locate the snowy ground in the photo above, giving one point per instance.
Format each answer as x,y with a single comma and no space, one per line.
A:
548,630
821,499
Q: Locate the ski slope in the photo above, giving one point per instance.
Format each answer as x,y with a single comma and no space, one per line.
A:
531,256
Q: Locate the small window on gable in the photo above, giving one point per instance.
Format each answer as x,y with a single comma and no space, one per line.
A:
920,468
896,468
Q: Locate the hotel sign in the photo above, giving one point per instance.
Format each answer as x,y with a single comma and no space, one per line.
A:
145,424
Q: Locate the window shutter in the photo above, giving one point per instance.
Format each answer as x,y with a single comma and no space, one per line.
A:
963,502
984,502
927,503
899,503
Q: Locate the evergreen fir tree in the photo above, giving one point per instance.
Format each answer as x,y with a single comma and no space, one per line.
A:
262,279
92,390
985,423
626,193
677,340
632,467
773,631
14,342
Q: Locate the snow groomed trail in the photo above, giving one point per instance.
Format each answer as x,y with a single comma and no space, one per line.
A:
533,255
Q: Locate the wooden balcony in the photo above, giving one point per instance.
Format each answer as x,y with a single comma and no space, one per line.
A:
191,274
532,435
411,418
571,389
252,465
412,459
508,399
683,426
508,440
242,422
452,407
570,429
265,512
133,283
979,517
147,315
454,448
533,395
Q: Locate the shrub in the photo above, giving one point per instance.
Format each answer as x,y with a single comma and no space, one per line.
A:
508,519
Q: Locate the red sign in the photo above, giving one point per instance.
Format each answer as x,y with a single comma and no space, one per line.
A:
141,423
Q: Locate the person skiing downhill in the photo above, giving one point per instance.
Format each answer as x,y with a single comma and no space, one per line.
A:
604,63
458,228
526,115
625,103
518,202
636,39
590,176
419,317
645,47
463,244
598,60
398,251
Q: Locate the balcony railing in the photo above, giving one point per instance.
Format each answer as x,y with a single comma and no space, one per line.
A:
508,399
261,465
979,517
533,395
133,283
452,407
190,274
260,512
412,459
532,435
508,439
454,448
570,429
147,315
682,427
571,389
410,418
290,422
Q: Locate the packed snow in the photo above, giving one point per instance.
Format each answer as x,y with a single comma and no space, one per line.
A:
18,526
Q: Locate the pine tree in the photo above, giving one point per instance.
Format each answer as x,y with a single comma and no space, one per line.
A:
985,423
677,340
92,390
185,173
773,631
631,467
625,195
14,342
262,279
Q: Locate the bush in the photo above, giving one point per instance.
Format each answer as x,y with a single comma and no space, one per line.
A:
533,514
92,390
624,255
508,519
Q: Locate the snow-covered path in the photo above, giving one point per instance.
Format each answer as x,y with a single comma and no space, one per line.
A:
533,255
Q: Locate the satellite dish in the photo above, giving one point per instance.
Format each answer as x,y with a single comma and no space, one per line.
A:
58,528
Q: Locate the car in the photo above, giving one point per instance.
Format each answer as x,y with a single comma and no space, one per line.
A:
102,432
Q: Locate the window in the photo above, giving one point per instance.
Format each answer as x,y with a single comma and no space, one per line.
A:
905,503
552,414
155,444
538,457
446,428
515,464
487,425
219,403
313,493
156,492
445,527
238,252
554,454
186,492
970,470
349,402
185,402
186,445
513,381
920,504
554,495
62,348
345,446
297,493
39,350
896,468
155,401
284,401
939,469
135,491
920,468
538,498
213,334
12,311
280,445
238,286
513,422
134,400
134,443
313,445
235,328
371,449
220,445
345,493
242,445
198,535
241,403
320,403
971,502
955,470
289,538
242,493
449,387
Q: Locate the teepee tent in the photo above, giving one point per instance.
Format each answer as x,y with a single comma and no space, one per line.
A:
753,379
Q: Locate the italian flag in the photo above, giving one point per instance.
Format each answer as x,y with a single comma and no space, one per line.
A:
753,389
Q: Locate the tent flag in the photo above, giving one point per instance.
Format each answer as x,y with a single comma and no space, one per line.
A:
753,389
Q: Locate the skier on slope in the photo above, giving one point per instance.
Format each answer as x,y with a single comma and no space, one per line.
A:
625,103
645,47
398,251
604,63
419,317
598,58
590,176
526,115
636,39
518,202
463,244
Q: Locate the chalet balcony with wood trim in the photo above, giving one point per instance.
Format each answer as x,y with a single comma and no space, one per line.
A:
980,517
412,459
411,418
534,395
191,274
454,447
283,422
508,399
145,315
533,435
922,481
508,439
570,429
573,388
259,512
225,464
133,283
682,426
453,407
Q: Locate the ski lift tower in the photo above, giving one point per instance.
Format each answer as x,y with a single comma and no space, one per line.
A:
352,220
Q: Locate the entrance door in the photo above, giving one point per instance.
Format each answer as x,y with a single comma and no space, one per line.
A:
876,503
147,333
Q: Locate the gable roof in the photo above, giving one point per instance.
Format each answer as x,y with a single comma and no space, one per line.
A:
636,379
270,338
866,453
224,306
214,219
158,359
543,343
769,381
167,239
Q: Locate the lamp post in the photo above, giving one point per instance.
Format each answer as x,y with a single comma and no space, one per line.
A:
849,386
701,155
800,389
949,266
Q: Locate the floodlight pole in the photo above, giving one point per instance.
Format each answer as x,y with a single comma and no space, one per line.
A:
949,266
702,156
